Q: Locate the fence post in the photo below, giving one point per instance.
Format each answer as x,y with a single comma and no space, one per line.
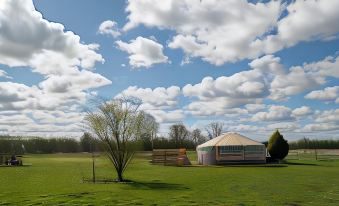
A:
316,154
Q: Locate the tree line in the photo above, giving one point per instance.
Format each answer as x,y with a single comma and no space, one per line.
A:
178,137
38,145
307,143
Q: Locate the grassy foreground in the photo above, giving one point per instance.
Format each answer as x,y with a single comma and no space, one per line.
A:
57,180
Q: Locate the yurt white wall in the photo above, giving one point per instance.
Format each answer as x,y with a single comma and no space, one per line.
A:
231,147
255,153
206,156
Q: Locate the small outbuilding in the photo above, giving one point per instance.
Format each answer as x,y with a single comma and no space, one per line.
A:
231,148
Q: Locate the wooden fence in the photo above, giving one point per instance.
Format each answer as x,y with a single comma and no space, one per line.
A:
316,154
173,157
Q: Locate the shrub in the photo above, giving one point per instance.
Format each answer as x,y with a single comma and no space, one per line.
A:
277,146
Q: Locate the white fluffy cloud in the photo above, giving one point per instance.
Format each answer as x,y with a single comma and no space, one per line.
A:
44,46
15,96
244,128
143,52
274,113
57,117
205,28
79,81
302,111
327,120
159,102
267,78
326,67
242,85
243,30
19,48
162,116
293,82
327,94
219,96
215,107
59,56
283,126
255,107
320,127
14,120
109,27
4,74
159,97
285,83
328,116
305,21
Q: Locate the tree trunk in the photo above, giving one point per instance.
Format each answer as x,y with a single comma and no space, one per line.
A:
120,179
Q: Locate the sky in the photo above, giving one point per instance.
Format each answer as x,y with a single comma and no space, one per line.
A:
256,66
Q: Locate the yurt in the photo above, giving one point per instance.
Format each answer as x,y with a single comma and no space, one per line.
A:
231,148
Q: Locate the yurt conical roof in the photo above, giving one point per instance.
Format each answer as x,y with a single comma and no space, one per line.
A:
229,138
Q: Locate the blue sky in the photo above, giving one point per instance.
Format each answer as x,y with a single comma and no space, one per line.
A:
256,66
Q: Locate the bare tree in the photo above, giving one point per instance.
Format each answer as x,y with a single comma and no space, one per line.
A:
116,124
197,137
214,129
178,133
150,129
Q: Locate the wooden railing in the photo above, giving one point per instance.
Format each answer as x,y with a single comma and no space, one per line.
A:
174,157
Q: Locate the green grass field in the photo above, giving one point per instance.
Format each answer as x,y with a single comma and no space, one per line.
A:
57,180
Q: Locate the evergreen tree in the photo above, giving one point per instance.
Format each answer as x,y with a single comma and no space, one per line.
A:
277,146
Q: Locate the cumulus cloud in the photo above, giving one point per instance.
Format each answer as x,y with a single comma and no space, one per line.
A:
206,29
284,83
292,83
109,27
243,128
171,116
274,113
305,21
244,30
302,111
52,93
14,120
65,63
143,52
4,74
215,107
327,94
320,127
79,81
159,97
328,67
266,78
41,123
268,64
44,46
160,102
326,120
220,95
15,96
57,117
20,48
246,84
255,107
283,126
327,116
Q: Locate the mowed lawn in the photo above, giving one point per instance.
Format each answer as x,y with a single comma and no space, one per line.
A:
57,180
